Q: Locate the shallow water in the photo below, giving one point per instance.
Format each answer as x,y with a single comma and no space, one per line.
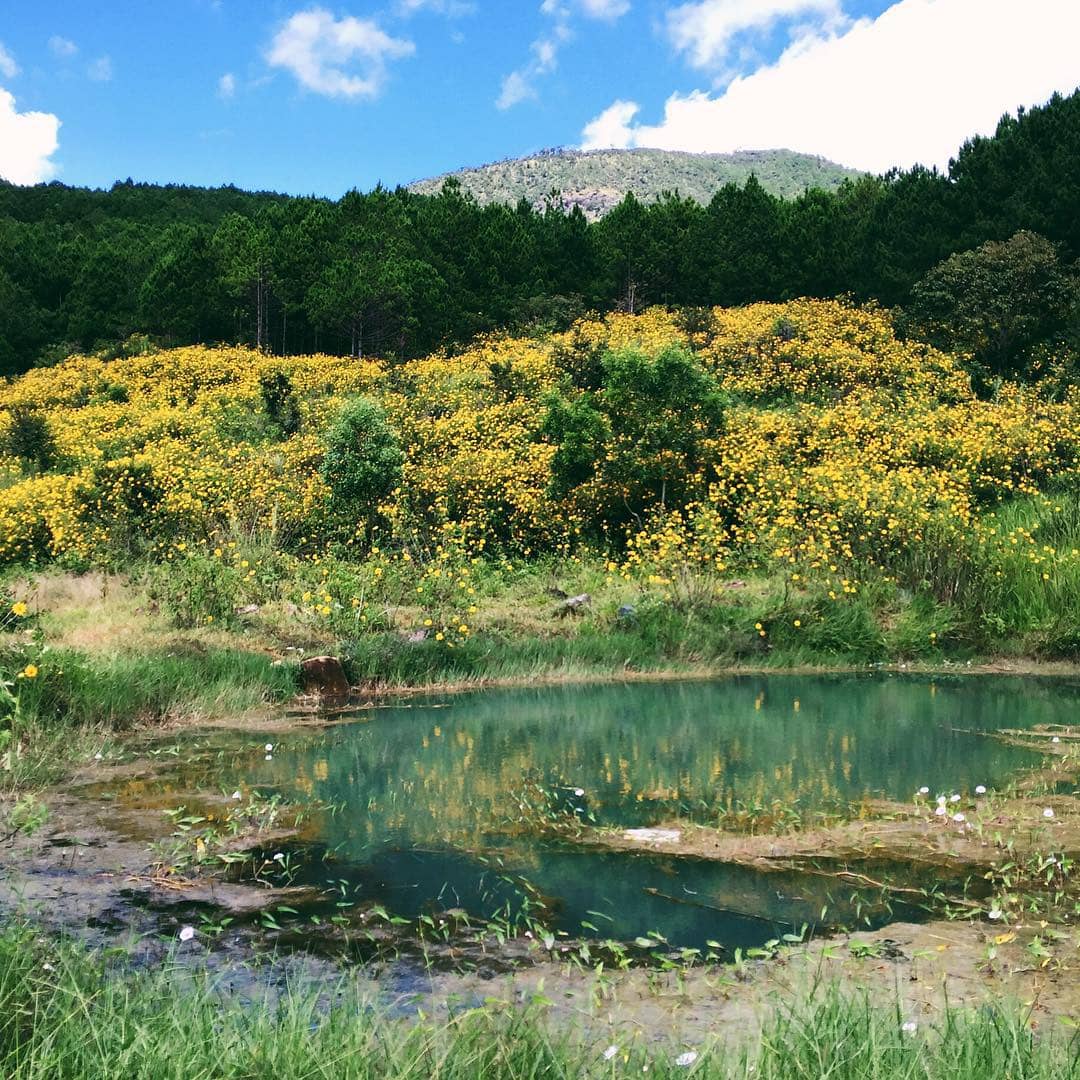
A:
427,794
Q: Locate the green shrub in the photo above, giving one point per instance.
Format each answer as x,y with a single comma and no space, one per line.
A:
363,461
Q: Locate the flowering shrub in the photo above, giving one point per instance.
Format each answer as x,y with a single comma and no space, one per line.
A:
838,447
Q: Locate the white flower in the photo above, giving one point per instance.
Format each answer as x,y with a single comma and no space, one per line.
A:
924,791
684,1061
940,811
1055,739
279,857
187,933
269,747
954,798
579,791
958,817
269,757
909,1027
98,756
237,795
610,1052
1048,813
995,913
980,789
941,800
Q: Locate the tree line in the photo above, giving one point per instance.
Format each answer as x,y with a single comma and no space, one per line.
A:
398,274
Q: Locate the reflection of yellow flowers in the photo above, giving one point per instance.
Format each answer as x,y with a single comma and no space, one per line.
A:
29,672
19,609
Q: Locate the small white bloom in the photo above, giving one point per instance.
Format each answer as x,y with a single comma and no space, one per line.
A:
579,791
279,857
958,817
954,798
610,1052
995,913
924,791
909,1027
1048,813
684,1061
269,747
98,756
941,800
269,757
940,811
980,789
47,967
187,933
237,795
1055,739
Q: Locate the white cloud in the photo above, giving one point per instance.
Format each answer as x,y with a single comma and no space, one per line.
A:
62,46
454,9
321,52
605,9
520,85
8,68
101,70
27,141
611,128
591,9
515,89
905,88
226,86
706,31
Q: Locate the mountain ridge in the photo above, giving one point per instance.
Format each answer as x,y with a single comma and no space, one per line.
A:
597,180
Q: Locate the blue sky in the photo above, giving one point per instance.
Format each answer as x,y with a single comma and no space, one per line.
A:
324,96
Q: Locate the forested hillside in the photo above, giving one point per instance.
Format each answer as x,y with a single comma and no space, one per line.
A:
598,180
400,274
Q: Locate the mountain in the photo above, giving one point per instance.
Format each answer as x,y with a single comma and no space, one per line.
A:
596,180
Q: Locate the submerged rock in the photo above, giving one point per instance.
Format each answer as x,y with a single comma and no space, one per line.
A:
653,836
324,675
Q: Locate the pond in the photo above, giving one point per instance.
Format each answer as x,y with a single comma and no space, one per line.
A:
427,794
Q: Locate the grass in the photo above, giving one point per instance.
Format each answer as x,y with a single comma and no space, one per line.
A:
78,698
65,1014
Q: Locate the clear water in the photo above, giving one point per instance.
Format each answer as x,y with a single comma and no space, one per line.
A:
428,791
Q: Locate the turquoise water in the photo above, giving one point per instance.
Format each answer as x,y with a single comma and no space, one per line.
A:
427,793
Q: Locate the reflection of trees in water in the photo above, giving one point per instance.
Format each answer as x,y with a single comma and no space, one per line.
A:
640,751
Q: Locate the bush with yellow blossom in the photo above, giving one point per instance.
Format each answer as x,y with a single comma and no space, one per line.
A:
841,453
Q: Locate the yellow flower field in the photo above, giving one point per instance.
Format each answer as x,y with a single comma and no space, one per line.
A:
839,443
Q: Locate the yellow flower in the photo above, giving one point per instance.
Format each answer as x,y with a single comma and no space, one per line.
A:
798,622
19,609
29,672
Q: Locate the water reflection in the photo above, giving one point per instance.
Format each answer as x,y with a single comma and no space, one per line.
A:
427,793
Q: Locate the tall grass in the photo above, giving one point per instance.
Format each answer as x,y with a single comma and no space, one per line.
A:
63,1015
119,689
79,697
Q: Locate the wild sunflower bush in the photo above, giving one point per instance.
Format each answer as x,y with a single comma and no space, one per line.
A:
817,446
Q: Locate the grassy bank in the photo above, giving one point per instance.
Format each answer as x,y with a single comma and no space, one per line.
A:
62,1014
76,699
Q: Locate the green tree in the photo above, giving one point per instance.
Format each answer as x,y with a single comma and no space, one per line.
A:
995,302
363,461
638,442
